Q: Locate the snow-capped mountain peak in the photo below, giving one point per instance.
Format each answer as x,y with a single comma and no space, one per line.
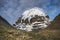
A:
32,12
33,18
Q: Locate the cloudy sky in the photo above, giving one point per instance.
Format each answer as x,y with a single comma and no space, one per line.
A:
12,9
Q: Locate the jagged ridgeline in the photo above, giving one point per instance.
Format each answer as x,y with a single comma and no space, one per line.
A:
33,18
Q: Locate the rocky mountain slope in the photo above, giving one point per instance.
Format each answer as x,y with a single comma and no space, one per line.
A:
7,33
4,24
55,24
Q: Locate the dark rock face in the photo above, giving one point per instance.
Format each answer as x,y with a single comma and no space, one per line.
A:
33,19
37,18
22,21
55,24
18,21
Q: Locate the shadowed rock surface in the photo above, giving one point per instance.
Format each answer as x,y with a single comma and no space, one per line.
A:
55,24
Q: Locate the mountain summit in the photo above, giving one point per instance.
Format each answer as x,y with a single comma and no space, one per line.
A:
32,19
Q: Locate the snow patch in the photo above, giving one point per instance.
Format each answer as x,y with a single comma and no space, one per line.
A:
32,12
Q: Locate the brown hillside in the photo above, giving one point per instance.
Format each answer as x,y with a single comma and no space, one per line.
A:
55,24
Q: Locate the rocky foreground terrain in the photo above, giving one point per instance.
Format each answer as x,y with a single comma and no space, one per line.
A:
52,32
